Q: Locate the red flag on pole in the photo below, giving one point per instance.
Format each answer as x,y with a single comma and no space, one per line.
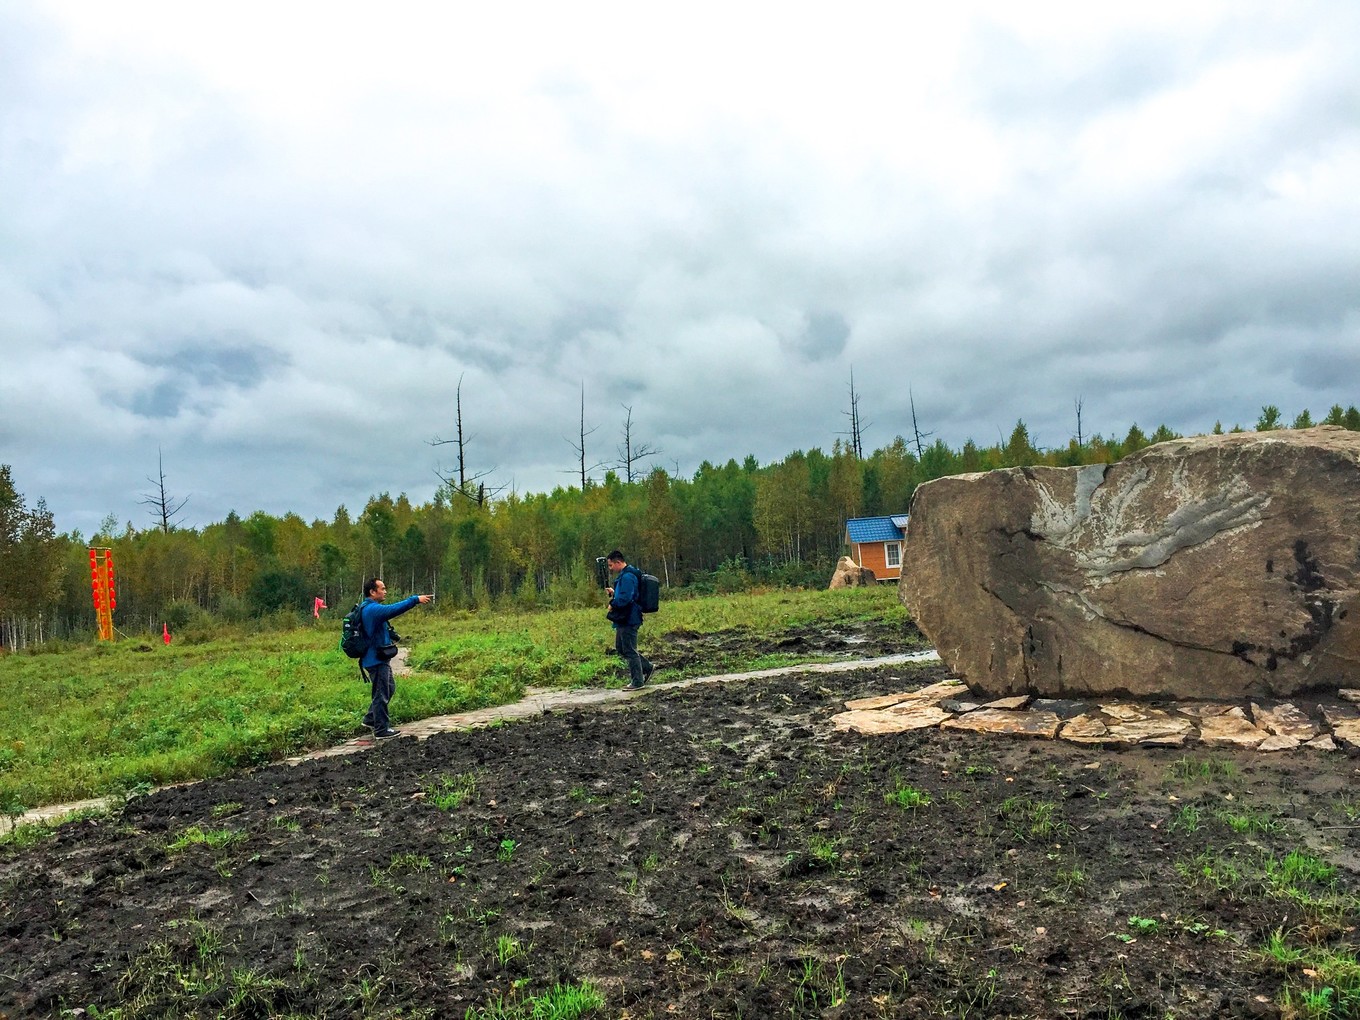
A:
165,632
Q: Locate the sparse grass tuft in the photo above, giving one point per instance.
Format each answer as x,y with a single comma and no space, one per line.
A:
451,791
213,839
1187,769
908,797
1321,982
1039,819
561,1002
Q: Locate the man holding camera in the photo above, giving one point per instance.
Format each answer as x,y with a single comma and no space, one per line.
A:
625,613
382,648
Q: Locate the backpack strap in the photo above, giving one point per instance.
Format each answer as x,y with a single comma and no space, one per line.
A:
363,628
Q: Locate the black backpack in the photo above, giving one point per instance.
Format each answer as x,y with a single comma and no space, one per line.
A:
649,591
353,637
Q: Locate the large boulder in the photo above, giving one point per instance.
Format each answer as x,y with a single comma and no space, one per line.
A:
850,574
1212,567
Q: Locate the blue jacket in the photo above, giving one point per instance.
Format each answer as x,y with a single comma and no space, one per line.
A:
375,617
626,596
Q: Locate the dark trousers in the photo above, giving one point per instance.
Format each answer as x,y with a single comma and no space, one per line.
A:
384,686
625,643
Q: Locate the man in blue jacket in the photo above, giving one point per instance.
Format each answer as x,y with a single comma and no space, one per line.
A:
625,612
377,660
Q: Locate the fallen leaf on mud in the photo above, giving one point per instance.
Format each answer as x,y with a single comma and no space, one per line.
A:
673,956
418,795
1040,931
999,886
272,801
1093,765
1309,972
647,954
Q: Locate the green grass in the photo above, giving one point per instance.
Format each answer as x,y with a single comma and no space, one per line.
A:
117,718
451,791
213,839
1033,819
908,797
561,1002
1321,982
1188,769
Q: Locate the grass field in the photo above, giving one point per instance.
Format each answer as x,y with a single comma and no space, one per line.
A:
114,718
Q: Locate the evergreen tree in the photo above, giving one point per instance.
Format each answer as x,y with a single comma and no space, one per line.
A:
1134,441
1018,451
1269,420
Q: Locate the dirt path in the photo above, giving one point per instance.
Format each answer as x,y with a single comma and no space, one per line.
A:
538,701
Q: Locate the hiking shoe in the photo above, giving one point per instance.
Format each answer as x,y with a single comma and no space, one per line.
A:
389,732
368,721
647,673
633,687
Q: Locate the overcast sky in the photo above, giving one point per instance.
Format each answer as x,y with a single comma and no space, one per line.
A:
269,239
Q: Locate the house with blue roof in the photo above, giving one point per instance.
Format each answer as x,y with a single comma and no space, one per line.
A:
876,543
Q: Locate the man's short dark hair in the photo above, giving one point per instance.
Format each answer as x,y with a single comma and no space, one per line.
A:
616,557
371,585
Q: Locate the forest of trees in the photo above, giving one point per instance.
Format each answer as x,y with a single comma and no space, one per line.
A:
727,527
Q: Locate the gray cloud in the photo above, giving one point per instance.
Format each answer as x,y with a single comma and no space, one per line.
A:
249,247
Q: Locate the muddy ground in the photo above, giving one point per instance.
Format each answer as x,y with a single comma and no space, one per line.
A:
716,851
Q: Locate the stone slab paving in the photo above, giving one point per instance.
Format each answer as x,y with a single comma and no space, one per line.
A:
1255,725
535,702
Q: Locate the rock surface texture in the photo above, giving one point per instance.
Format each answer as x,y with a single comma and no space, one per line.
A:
1211,567
850,574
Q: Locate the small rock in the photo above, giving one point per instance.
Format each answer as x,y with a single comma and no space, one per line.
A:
1285,720
1011,704
987,720
1279,742
1231,729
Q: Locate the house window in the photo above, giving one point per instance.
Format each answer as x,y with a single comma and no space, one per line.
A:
893,553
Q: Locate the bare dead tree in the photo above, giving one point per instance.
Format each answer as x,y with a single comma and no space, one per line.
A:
470,486
629,452
164,507
916,428
1080,441
857,425
580,447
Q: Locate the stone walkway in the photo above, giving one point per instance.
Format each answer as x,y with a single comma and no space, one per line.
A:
536,702
1261,726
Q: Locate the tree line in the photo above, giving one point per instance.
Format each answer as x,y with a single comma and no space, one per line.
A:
726,527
